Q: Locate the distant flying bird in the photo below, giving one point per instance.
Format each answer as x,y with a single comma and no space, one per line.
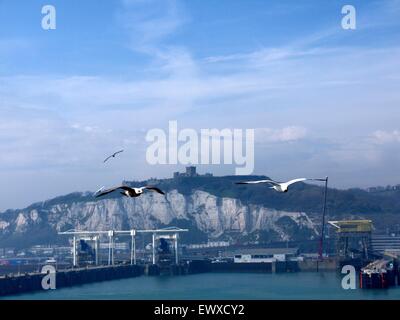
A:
113,155
98,191
278,186
128,192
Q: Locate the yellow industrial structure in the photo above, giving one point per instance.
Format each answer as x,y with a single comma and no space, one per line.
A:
346,226
353,238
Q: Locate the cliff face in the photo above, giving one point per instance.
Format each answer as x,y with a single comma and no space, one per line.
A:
212,215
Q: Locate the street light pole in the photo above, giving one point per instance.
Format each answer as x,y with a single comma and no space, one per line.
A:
321,242
133,246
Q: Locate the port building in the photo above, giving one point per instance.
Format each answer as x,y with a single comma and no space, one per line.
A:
382,243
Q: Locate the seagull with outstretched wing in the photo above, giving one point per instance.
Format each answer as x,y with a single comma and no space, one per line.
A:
113,155
278,186
128,192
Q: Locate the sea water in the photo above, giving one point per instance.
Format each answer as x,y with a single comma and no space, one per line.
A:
302,285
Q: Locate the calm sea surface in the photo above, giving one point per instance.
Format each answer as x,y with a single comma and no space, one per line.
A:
302,285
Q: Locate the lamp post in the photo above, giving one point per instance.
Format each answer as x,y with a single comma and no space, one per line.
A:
74,262
321,241
111,247
133,246
154,248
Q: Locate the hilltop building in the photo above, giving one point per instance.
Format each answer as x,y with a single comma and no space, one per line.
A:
190,172
382,189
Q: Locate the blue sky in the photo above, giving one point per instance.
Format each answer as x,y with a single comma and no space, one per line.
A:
323,100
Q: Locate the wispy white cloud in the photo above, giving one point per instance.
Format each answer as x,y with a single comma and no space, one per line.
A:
286,134
271,91
382,136
149,23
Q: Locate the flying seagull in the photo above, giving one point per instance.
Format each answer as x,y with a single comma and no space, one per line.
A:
127,191
98,191
278,186
113,155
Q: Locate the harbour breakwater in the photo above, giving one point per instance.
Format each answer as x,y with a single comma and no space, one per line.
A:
29,282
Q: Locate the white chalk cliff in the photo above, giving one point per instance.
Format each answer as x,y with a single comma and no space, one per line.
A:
210,214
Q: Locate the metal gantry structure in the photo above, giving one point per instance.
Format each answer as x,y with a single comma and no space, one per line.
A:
171,233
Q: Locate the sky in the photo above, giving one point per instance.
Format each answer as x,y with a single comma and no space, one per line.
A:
323,100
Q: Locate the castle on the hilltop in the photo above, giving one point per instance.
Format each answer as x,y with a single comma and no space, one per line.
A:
190,172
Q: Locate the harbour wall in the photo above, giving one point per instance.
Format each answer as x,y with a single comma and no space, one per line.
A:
10,285
28,282
318,265
198,266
